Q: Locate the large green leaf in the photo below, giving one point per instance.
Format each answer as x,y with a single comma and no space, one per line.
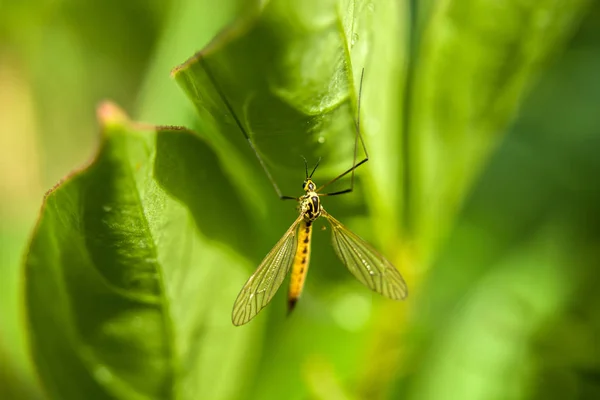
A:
285,81
120,301
485,351
474,63
291,74
506,311
286,74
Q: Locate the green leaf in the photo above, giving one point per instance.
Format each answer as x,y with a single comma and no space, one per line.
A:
286,74
289,73
476,60
118,293
487,341
379,43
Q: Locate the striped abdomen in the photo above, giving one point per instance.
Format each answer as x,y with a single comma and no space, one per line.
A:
301,260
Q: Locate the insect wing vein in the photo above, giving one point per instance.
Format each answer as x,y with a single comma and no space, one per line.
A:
268,277
365,263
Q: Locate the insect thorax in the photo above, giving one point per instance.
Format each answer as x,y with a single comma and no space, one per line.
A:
310,206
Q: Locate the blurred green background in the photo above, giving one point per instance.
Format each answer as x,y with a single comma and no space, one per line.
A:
484,157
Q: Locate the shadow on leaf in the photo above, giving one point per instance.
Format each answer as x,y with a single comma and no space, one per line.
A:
190,171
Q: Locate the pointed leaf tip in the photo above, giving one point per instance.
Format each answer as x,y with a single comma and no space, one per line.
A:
108,113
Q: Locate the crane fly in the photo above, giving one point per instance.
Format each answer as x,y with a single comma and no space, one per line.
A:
292,251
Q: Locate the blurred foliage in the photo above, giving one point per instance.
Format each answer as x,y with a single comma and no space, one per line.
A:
482,127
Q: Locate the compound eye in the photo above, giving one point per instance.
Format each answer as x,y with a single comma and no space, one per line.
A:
303,185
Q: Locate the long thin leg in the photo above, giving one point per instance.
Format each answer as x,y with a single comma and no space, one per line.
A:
239,124
354,164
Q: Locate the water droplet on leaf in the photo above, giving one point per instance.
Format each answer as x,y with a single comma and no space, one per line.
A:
102,374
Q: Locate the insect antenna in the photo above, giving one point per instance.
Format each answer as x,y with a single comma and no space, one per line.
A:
305,167
315,168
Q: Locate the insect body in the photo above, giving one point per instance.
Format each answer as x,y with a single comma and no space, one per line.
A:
310,209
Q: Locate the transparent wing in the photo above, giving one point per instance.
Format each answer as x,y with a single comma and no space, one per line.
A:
263,284
365,263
